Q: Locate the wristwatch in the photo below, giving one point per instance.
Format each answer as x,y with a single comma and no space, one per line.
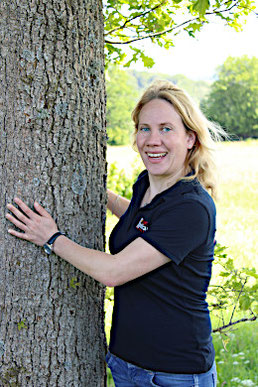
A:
48,246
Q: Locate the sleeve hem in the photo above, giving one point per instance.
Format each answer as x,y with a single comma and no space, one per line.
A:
167,253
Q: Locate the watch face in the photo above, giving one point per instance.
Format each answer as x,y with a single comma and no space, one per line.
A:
47,248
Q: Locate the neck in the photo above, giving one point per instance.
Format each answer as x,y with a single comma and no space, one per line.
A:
161,183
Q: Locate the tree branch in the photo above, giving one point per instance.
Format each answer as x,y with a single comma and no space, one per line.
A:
220,329
156,34
241,291
152,35
133,18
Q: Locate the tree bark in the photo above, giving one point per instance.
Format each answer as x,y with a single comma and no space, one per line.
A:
53,145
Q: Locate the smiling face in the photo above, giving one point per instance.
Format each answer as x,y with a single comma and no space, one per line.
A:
162,140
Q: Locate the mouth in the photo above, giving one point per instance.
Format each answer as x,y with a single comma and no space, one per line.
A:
156,156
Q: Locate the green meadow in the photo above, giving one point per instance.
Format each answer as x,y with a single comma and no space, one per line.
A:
237,220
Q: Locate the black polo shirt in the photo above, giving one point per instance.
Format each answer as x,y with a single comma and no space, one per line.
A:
161,320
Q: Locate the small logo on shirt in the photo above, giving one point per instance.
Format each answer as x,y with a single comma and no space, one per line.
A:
142,225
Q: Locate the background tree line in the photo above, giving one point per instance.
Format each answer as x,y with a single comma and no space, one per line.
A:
231,100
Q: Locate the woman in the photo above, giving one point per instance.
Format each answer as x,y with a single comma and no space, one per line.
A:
161,248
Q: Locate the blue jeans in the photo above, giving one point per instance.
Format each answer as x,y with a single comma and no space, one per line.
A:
128,375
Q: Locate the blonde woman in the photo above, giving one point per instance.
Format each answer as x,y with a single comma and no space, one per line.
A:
161,249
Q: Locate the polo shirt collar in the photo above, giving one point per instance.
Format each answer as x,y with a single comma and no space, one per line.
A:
143,183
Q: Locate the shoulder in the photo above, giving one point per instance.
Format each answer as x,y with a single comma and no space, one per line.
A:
192,204
192,194
199,196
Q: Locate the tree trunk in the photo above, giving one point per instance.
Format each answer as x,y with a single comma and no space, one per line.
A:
53,145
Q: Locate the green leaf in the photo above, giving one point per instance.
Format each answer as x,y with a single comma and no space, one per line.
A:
194,27
200,7
255,308
21,325
73,283
224,274
147,61
245,302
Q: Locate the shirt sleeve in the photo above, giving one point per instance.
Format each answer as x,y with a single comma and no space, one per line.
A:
178,230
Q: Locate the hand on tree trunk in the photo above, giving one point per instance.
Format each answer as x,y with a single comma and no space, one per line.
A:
36,227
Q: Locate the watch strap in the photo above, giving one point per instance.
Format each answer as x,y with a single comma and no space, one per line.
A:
53,238
48,245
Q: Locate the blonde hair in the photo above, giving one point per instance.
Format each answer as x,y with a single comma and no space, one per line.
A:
201,157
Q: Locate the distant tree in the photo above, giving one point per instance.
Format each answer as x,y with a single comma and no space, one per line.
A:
122,92
196,89
232,101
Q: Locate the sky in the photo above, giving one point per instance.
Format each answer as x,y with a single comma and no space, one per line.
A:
198,58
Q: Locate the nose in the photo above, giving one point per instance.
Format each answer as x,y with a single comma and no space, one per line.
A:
154,138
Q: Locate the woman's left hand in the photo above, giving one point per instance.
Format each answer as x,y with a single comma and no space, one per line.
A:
37,227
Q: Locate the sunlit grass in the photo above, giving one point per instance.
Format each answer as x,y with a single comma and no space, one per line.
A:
236,356
237,209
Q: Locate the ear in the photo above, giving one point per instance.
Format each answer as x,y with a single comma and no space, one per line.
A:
191,138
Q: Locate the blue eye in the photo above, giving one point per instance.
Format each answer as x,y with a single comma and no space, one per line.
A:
144,129
166,129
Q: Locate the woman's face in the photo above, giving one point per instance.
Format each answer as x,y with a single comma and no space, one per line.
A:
162,139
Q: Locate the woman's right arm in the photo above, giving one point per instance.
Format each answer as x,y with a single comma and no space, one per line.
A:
117,204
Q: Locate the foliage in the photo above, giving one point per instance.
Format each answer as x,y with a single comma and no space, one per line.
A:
127,22
121,182
74,283
121,99
235,291
232,101
22,325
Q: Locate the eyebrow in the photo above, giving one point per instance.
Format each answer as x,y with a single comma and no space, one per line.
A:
161,124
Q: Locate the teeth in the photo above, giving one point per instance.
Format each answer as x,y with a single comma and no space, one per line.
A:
156,154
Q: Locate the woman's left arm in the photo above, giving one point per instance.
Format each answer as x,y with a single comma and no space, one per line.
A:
137,259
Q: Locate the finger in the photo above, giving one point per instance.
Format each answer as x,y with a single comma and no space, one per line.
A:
41,210
18,214
24,208
20,235
16,222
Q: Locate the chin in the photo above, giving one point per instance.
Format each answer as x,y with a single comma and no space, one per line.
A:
157,172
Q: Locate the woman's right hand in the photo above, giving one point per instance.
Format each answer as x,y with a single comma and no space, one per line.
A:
36,227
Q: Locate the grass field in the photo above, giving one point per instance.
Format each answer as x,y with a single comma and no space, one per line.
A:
238,205
237,220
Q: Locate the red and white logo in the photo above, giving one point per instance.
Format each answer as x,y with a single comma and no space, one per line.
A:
142,225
